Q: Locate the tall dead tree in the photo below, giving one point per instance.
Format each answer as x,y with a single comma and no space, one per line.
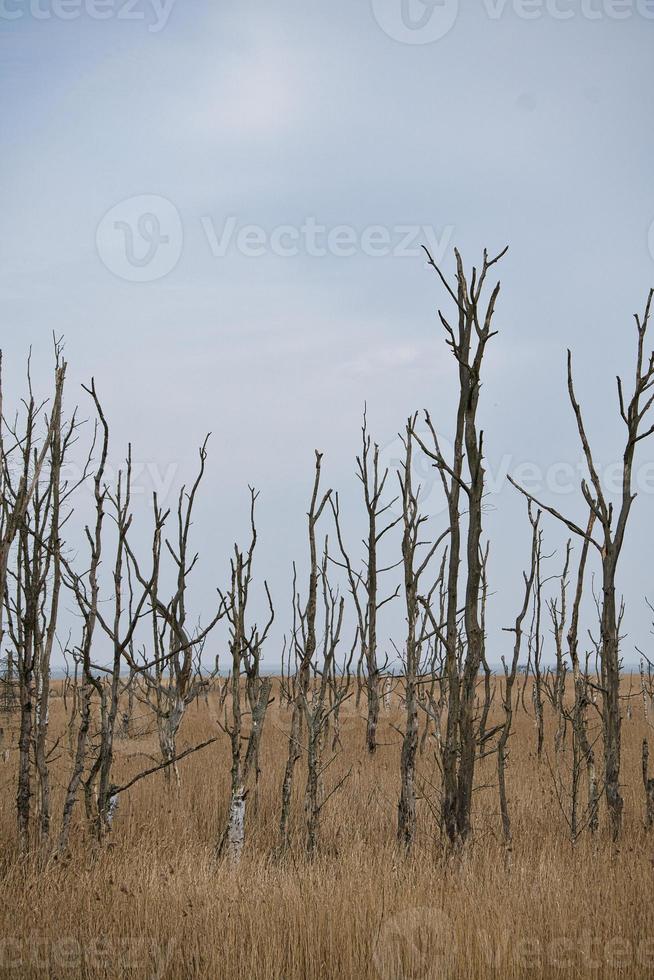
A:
120,629
463,474
316,693
583,754
558,613
414,565
536,649
32,581
172,673
510,674
364,586
245,642
88,599
304,644
633,412
317,709
100,687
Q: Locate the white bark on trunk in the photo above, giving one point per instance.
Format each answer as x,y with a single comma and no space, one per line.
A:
236,829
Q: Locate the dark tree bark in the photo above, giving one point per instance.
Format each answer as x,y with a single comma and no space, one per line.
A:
633,413
467,341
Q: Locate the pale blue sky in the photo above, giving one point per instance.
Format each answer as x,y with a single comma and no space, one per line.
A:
532,132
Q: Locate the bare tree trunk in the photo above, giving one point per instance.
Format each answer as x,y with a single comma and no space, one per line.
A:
507,699
24,792
89,610
317,712
236,829
26,512
292,759
259,708
304,642
406,823
633,413
558,611
84,707
59,446
648,784
367,608
611,717
314,789
413,567
468,344
582,749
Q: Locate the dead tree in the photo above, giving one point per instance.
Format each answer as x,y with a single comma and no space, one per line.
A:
414,566
99,682
364,585
433,692
339,676
558,613
98,752
633,412
88,599
317,709
484,735
304,649
510,674
173,674
467,341
583,753
120,630
315,696
536,649
245,643
30,494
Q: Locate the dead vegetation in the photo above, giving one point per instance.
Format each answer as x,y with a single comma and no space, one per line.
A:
153,901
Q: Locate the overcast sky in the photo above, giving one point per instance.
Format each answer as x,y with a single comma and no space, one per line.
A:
220,205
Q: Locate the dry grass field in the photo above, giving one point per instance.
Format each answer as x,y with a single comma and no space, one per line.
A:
152,902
